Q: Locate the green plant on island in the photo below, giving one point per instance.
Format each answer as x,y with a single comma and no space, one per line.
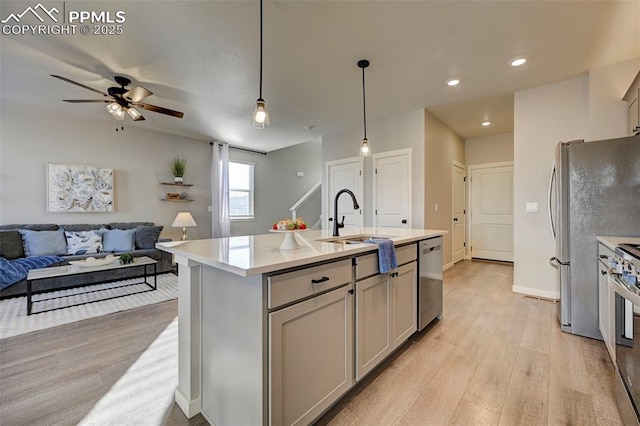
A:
126,258
178,166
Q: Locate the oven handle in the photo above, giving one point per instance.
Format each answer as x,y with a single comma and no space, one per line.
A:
621,288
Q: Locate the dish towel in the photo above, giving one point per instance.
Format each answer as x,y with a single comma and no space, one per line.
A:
386,254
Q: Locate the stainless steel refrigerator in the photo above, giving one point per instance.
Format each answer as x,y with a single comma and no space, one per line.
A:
594,190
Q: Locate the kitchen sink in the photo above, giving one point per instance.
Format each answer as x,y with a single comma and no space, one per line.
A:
351,239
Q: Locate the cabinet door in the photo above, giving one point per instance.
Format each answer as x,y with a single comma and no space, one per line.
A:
404,303
310,356
373,323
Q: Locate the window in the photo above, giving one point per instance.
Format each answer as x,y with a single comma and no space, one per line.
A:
240,190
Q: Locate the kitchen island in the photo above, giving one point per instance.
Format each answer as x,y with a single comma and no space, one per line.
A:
271,336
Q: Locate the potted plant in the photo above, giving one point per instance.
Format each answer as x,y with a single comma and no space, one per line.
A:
178,167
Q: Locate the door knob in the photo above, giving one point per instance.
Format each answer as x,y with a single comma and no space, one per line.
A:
455,219
404,220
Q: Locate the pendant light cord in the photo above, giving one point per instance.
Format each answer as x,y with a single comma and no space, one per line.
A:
260,49
364,105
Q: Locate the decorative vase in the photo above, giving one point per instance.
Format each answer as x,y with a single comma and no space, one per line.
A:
178,179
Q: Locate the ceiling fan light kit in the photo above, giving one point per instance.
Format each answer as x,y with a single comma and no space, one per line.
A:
260,118
365,151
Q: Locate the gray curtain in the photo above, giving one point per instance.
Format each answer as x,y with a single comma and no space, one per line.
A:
220,223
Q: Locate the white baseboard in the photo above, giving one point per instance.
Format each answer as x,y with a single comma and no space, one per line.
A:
447,266
189,409
555,295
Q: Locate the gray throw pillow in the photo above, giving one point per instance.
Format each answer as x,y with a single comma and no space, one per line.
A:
43,243
11,246
118,240
147,236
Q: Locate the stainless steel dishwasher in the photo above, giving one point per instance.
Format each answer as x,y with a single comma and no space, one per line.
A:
430,281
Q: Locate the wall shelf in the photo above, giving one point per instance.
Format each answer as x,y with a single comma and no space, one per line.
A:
175,201
176,184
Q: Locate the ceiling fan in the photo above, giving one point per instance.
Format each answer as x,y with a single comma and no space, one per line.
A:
121,101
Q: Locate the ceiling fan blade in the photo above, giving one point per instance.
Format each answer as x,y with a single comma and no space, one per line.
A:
136,94
78,84
161,110
86,101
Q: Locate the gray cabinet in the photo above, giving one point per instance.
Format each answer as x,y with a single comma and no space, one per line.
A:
386,315
310,356
373,322
404,303
633,100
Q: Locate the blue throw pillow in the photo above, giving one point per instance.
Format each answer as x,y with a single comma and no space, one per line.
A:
43,243
118,240
84,242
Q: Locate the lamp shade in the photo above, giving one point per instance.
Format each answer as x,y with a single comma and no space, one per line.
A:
184,220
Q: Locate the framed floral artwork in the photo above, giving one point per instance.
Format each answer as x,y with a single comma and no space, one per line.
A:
77,188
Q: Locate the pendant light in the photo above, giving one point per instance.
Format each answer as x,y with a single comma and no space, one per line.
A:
365,151
260,114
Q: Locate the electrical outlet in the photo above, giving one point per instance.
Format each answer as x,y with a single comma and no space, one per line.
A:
436,208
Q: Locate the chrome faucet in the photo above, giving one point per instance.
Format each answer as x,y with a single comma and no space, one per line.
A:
337,225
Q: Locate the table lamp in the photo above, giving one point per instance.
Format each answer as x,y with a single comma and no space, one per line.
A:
184,220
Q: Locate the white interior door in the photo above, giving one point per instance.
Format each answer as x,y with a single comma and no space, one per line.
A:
459,210
344,174
492,213
392,189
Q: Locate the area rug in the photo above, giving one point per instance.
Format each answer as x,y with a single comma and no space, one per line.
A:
13,312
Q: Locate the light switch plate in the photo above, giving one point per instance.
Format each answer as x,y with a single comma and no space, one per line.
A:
532,207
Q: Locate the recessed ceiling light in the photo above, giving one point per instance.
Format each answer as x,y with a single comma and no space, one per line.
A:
453,82
486,123
518,61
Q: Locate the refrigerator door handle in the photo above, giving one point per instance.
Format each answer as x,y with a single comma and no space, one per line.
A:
551,180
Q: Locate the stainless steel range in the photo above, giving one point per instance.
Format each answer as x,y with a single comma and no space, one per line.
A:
624,277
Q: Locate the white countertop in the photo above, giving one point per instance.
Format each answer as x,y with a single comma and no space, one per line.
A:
612,242
258,254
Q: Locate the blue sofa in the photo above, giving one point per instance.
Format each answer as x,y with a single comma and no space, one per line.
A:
147,235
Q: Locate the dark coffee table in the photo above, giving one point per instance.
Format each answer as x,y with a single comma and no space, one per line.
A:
69,270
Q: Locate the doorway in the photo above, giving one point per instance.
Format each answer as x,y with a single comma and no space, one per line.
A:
459,212
491,194
344,174
392,189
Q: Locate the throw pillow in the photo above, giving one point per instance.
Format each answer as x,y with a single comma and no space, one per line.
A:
83,242
44,243
11,246
147,236
117,240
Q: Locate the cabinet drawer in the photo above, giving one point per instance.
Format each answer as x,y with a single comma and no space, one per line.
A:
367,265
292,286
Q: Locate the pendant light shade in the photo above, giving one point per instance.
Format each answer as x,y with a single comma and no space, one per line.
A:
260,117
365,151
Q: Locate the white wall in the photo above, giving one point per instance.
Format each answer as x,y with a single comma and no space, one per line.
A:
607,111
442,147
489,149
543,117
401,131
32,136
277,187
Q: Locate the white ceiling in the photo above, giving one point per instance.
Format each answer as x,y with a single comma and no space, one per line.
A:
202,58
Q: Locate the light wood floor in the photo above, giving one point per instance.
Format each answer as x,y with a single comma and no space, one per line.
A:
495,358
